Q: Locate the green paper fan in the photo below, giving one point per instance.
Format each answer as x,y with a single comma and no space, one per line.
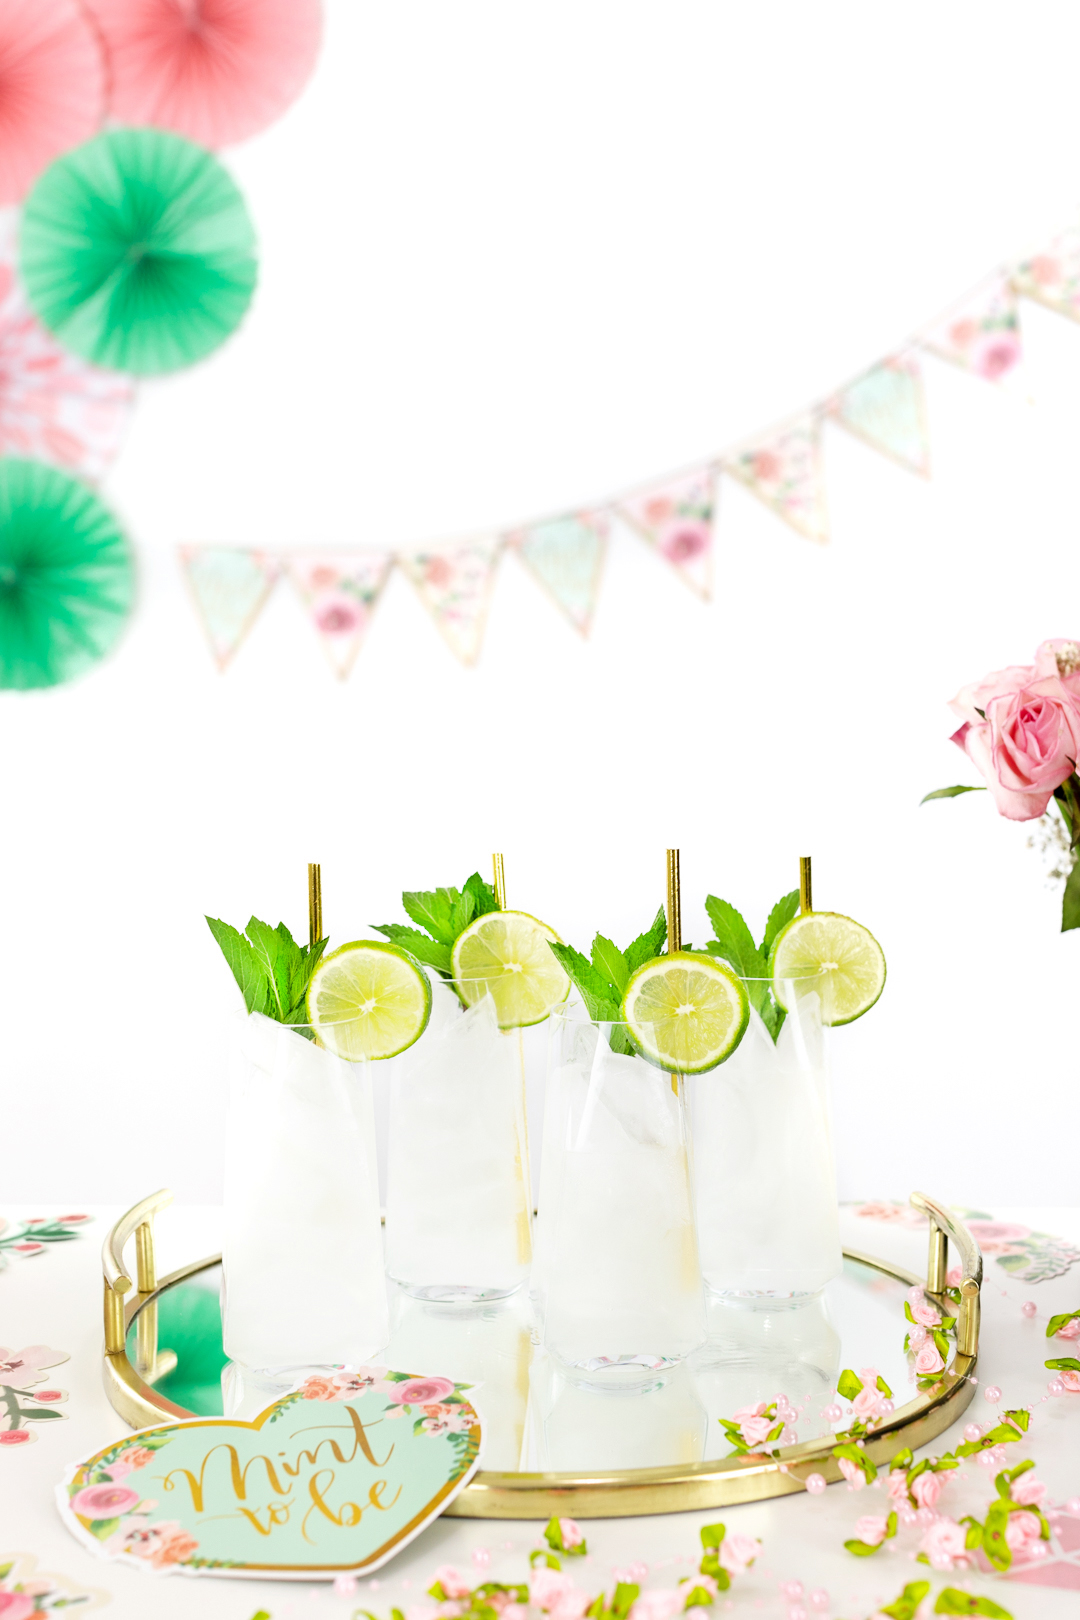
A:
66,576
137,251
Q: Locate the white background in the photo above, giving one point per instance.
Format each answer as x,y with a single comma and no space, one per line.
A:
514,258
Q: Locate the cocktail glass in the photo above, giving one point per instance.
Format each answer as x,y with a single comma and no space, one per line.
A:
303,1278
458,1223
618,1280
764,1176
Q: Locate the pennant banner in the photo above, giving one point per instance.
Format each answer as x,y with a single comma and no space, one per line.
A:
981,334
566,556
340,591
784,470
1053,278
886,407
455,586
229,588
677,518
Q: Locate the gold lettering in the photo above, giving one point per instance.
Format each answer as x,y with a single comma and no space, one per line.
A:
376,1491
276,1513
237,1476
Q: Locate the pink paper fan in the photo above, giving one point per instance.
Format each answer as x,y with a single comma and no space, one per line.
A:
216,71
52,87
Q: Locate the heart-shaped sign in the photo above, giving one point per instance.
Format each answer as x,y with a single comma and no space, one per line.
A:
338,1475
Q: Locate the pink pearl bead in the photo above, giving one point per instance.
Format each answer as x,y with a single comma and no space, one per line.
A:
819,1599
815,1484
1028,1308
888,1406
797,1612
344,1585
791,1589
1073,1505
1056,1387
973,1431
832,1414
985,1459
992,1393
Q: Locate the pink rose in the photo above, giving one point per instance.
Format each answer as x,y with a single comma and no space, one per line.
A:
925,1314
16,1437
995,354
1068,1377
1023,1535
688,540
928,1359
943,1544
868,1403
766,465
737,1553
119,1469
871,1528
659,1604
452,1581
319,1389
896,1486
658,509
173,1549
337,618
421,1391
852,1473
989,1234
927,1488
571,1533
49,1395
137,1456
1071,1330
1028,1489
72,1220
756,1429
16,1606
1029,741
103,1501
547,1586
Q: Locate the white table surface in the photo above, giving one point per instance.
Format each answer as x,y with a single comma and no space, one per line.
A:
55,1298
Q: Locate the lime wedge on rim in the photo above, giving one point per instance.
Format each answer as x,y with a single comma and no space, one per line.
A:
505,953
844,959
368,999
685,1012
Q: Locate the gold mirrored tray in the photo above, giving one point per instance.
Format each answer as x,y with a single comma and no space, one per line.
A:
555,1445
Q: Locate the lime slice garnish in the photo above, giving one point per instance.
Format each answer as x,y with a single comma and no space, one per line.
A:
842,957
368,1000
506,953
685,1012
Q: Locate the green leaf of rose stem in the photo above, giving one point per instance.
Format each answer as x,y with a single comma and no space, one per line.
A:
433,909
647,945
950,793
779,917
1064,1364
1070,900
246,969
952,1601
848,1385
903,1607
1056,1323
611,964
427,950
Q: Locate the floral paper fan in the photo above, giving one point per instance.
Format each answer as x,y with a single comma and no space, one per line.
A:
66,577
52,87
138,252
214,70
53,406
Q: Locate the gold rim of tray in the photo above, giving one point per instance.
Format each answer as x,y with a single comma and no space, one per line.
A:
672,1489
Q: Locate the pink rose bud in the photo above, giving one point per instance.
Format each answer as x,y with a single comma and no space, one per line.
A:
928,1360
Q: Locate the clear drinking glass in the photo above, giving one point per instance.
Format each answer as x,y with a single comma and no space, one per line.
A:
764,1176
303,1278
458,1221
617,1279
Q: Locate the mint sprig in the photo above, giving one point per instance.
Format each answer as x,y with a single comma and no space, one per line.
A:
272,970
602,981
734,943
441,915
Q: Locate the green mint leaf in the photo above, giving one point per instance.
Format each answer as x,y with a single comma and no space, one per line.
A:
1070,900
463,913
483,894
779,917
772,1016
1056,1323
307,960
433,909
429,951
949,793
593,987
648,944
610,964
849,1385
273,955
246,969
734,938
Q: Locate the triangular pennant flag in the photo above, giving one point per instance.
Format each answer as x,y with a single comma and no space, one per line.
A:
455,586
886,407
981,334
677,517
1053,277
340,589
566,556
783,468
229,587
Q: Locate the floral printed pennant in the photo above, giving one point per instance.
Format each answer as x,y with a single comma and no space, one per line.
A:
455,586
53,406
340,591
783,469
1053,277
229,587
677,518
982,334
566,556
886,408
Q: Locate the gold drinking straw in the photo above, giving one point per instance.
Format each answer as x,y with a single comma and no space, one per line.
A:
805,899
314,902
674,915
500,881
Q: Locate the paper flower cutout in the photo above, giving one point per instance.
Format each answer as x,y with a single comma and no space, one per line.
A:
66,577
137,251
52,88
214,70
